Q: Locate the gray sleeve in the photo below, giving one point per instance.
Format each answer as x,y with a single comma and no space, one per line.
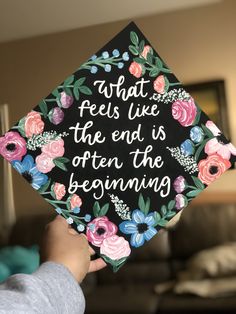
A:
51,289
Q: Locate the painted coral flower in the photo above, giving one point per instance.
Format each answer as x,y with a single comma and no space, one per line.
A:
184,112
33,124
99,229
54,148
141,227
136,69
12,146
44,163
56,115
146,50
115,247
59,190
66,100
160,84
212,168
219,144
29,171
75,201
181,201
180,184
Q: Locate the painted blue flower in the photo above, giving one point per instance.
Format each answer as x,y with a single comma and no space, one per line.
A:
116,53
94,57
58,210
141,227
80,227
28,170
76,210
87,218
120,65
107,67
125,56
105,55
94,69
196,134
187,147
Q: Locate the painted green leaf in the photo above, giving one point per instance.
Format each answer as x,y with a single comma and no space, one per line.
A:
198,183
167,84
141,203
96,209
21,126
44,187
56,93
171,205
133,50
154,72
170,214
80,81
44,108
140,60
199,111
163,210
62,159
157,217
85,90
147,206
149,58
59,164
104,209
67,90
158,62
116,264
134,38
162,222
193,193
207,131
69,80
141,46
76,93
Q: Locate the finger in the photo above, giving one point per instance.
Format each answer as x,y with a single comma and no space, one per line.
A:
96,265
91,250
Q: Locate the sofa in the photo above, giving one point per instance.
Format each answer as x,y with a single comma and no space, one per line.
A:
132,288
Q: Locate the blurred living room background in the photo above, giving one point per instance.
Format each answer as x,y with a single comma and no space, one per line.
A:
191,266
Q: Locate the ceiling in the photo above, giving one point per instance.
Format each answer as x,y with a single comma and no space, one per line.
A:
27,18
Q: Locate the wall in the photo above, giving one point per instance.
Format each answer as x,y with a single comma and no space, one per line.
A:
198,44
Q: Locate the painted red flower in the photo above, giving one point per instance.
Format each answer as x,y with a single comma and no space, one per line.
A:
136,69
212,168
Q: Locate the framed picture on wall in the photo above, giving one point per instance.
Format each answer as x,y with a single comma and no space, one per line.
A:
212,99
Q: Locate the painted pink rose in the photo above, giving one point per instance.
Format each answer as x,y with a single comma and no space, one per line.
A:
184,112
146,50
54,148
44,163
66,100
136,69
160,84
115,247
12,146
99,229
33,124
59,190
219,144
75,201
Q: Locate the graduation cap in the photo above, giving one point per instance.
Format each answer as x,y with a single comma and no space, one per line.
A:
119,147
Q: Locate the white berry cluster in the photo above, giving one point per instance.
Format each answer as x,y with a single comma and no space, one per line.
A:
171,96
120,207
188,162
37,141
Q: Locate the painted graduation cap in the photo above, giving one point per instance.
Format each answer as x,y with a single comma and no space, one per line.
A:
119,147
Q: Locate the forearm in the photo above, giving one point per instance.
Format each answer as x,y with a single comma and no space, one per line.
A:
51,289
